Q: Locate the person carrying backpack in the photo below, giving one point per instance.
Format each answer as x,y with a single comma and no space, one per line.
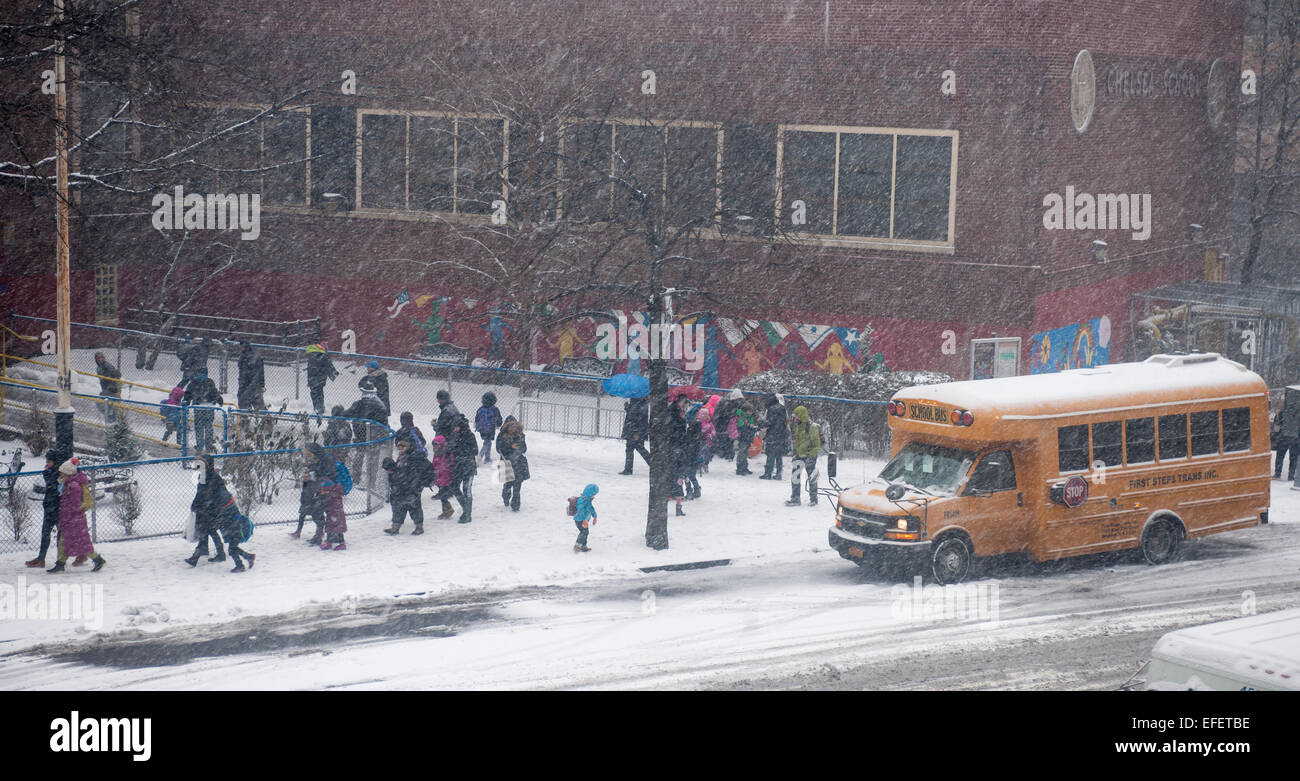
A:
807,446
410,432
210,496
406,478
486,422
336,520
584,516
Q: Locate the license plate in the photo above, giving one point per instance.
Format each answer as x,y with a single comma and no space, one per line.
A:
856,553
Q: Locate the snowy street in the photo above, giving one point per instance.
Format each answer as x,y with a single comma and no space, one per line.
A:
505,603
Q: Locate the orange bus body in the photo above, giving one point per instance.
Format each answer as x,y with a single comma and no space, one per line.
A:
1103,459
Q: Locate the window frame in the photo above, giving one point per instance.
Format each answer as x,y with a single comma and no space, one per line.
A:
834,238
105,290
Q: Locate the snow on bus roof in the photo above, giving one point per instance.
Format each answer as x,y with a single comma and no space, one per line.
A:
1101,385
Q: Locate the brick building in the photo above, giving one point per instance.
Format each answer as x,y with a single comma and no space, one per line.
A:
924,139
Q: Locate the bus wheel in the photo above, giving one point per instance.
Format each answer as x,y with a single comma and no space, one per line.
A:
1160,541
951,560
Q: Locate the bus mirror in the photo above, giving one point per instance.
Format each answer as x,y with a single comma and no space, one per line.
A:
895,492
830,465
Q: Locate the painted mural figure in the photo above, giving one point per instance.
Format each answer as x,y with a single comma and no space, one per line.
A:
496,328
433,324
792,360
835,362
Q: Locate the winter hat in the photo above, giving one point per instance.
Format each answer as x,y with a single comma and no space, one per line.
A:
712,403
489,399
316,348
801,413
372,364
389,464
69,467
51,455
735,394
443,395
780,399
407,419
591,490
440,440
366,384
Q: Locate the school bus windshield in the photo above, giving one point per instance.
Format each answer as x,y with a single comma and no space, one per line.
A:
930,468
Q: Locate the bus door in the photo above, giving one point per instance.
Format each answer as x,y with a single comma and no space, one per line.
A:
992,507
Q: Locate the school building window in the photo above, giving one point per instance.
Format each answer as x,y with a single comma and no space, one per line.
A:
106,294
889,184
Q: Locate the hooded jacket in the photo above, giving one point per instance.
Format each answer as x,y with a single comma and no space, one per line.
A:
586,510
807,437
320,369
512,445
74,534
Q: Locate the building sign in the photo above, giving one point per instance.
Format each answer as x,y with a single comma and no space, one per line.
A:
1139,81
1079,346
991,358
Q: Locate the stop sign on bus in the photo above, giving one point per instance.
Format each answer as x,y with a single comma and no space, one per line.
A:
1076,491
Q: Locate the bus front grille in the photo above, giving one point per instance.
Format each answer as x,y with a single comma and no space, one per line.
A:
864,524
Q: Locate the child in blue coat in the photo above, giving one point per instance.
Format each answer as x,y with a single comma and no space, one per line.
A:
586,514
486,423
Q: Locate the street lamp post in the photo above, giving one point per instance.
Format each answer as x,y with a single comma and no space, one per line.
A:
64,414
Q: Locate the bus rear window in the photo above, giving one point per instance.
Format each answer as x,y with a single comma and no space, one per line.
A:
1173,437
1106,444
1236,429
1140,440
1205,432
1072,448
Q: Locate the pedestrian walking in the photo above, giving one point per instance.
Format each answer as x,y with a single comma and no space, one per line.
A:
636,426
194,360
320,370
1284,443
336,520
776,437
171,414
406,478
317,464
252,378
210,497
442,469
584,516
447,414
511,445
682,453
745,426
464,451
110,387
75,497
807,441
49,503
486,422
707,432
409,432
724,415
202,394
338,431
379,381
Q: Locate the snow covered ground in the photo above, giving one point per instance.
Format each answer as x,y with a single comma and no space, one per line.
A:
505,603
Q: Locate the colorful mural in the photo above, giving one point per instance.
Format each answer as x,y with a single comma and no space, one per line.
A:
1077,346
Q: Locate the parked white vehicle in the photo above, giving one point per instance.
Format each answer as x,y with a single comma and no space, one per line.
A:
1259,652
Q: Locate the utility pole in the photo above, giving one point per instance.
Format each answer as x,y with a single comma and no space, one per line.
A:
64,414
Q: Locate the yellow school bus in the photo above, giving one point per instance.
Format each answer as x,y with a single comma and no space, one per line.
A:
1135,455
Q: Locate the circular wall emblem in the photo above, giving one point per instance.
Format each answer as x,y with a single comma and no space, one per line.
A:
1076,491
1216,94
1083,90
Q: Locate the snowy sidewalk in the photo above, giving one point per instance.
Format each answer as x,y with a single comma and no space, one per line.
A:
146,584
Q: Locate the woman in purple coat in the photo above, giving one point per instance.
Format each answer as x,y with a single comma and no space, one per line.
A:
74,535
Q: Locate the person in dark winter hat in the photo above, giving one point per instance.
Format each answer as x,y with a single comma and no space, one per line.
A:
215,511
49,503
76,496
317,464
464,451
406,477
110,386
338,432
512,446
202,391
320,370
776,440
336,520
252,378
379,381
636,425
411,433
585,517
447,413
486,422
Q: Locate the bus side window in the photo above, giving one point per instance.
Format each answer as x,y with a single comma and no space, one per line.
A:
1107,446
996,472
1140,440
1236,429
1072,448
1205,432
1173,437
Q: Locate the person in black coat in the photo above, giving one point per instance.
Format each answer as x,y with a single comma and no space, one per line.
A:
202,391
252,378
683,451
447,414
320,370
406,478
512,445
194,360
379,381
777,439
49,502
464,450
636,425
209,500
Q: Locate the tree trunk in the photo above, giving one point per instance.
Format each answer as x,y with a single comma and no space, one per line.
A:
656,526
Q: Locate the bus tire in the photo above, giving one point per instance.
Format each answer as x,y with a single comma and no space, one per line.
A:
951,560
1160,541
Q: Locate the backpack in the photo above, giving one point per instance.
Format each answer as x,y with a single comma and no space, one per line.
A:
246,526
343,477
573,507
485,420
